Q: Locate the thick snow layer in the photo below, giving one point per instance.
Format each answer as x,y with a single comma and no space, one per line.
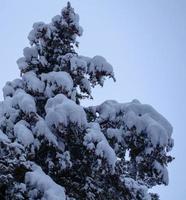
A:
30,52
42,182
11,106
10,87
22,63
78,63
33,82
41,129
36,32
25,102
141,116
23,134
144,109
107,110
99,64
91,70
145,118
95,139
61,110
6,109
57,79
30,56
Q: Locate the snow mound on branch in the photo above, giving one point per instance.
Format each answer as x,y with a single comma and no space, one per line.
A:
30,52
144,109
25,101
41,129
99,64
95,140
40,181
36,32
146,118
11,86
61,110
108,110
32,82
30,56
95,68
20,100
141,116
56,80
85,85
77,62
22,63
6,109
23,134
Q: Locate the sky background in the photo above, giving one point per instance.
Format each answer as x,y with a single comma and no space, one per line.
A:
144,40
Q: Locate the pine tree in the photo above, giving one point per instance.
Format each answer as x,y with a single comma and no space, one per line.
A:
53,148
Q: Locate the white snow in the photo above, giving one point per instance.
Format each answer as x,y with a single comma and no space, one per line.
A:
115,133
144,109
85,85
95,139
141,116
61,110
78,63
6,109
57,79
42,182
30,56
134,187
33,82
22,63
23,134
30,52
107,110
145,118
41,129
36,31
11,86
56,19
25,101
99,63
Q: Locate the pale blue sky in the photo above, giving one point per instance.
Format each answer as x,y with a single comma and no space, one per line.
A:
144,40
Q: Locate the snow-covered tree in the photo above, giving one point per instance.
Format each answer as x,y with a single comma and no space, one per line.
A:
52,148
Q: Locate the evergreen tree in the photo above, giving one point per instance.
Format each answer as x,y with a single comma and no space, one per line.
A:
53,148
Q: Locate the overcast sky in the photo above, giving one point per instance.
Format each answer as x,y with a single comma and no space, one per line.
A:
144,40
